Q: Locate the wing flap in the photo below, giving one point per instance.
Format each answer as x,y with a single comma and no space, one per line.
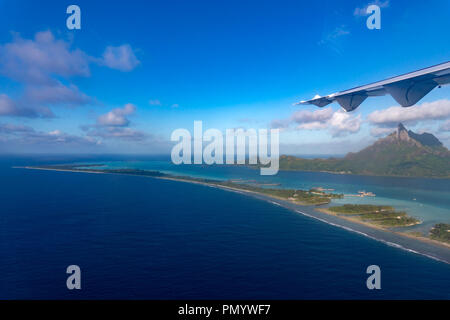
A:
408,93
351,101
406,89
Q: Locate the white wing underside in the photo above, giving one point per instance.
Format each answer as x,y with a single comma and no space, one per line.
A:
406,89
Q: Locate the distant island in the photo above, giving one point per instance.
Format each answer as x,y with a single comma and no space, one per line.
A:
402,153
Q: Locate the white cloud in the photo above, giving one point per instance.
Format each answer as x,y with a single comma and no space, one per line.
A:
436,110
56,94
36,61
305,116
44,66
343,123
24,135
117,117
121,58
39,64
338,123
115,125
12,108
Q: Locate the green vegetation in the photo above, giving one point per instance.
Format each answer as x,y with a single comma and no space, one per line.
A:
305,197
441,232
385,216
391,161
350,209
402,153
86,168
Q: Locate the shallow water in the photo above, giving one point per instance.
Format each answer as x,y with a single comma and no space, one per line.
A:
426,199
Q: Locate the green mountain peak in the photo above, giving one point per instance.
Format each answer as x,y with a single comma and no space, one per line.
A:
401,153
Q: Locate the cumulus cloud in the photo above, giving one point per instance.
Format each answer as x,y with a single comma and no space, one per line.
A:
343,123
338,123
37,60
436,110
56,94
38,64
358,12
115,125
35,100
121,58
117,117
307,116
12,108
21,134
44,65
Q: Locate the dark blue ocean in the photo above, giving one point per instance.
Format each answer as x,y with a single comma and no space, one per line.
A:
142,238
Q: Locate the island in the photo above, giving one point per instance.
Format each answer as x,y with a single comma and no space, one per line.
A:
314,196
378,218
381,216
441,232
402,153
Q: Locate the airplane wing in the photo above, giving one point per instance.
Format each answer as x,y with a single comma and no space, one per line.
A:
406,89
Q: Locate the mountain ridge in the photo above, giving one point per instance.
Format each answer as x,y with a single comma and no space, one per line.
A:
401,153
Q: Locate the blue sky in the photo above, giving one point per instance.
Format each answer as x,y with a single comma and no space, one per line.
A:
137,70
